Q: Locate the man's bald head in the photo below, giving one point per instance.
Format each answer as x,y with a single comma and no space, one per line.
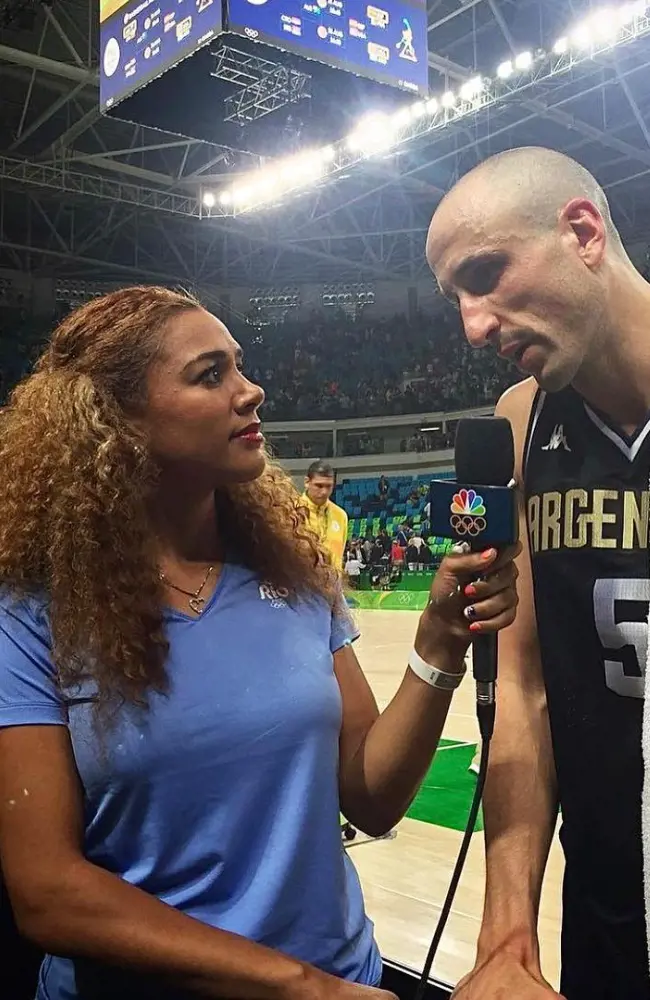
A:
526,187
526,247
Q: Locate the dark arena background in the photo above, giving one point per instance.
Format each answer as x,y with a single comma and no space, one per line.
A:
282,158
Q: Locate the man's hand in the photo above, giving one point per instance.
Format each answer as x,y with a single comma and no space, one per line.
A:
504,977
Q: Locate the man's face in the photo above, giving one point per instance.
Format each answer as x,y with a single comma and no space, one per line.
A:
532,298
319,489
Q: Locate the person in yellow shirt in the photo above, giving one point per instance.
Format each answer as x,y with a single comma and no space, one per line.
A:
326,519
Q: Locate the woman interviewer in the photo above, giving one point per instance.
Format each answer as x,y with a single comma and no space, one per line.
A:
181,711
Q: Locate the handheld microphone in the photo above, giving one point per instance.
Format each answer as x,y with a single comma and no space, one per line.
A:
480,509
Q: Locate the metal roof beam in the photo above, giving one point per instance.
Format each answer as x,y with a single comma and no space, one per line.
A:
128,150
45,117
77,74
57,177
51,18
454,13
640,120
103,265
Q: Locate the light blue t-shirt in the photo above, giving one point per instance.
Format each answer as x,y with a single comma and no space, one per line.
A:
222,798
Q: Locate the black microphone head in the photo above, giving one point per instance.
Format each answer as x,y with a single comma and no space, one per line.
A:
485,451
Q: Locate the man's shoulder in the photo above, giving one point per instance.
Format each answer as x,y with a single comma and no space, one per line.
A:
339,513
516,405
516,402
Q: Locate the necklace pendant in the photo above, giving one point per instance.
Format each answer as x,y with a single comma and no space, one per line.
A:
197,604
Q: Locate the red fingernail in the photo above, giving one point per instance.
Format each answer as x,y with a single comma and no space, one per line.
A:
470,590
475,626
488,554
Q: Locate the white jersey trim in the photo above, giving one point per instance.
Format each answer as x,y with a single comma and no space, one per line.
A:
629,450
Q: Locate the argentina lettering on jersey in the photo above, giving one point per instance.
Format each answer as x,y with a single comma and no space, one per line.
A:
587,511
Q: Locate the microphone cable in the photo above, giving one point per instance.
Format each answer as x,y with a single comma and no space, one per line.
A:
486,732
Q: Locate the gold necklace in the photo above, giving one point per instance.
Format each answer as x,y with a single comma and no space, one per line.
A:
195,601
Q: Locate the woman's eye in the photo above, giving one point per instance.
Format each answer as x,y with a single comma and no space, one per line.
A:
212,376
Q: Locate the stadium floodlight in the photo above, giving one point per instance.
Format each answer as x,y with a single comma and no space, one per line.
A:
379,132
471,89
605,24
375,133
417,110
209,199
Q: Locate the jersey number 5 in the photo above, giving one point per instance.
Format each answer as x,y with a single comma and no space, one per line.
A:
621,616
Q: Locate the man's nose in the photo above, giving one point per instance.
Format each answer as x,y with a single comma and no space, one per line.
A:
479,321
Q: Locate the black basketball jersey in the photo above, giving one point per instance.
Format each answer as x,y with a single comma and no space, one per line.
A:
587,505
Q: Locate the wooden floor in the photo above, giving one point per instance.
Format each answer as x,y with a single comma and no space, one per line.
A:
405,879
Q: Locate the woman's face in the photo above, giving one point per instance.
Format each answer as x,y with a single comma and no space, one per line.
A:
201,415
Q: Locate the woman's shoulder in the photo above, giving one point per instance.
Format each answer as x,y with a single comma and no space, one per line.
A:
20,611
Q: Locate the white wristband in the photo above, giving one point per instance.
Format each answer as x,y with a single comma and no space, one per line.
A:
436,678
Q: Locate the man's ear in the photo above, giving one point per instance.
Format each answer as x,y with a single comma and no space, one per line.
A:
582,221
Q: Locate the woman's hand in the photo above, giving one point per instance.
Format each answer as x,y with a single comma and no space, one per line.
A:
318,985
472,593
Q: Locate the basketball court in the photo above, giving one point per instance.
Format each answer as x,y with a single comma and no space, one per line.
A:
405,879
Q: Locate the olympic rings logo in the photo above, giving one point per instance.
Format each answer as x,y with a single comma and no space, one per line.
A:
466,525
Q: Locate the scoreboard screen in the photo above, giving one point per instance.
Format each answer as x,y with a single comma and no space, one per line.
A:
140,39
385,40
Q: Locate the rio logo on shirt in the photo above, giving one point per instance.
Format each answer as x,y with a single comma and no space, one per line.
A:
276,595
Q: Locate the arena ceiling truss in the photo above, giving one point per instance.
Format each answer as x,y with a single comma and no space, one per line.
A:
86,196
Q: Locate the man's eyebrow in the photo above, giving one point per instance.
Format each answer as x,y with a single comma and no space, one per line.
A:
215,356
465,267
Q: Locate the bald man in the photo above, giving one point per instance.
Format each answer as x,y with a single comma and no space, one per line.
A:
526,247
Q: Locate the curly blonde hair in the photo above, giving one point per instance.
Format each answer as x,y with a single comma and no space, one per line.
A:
74,492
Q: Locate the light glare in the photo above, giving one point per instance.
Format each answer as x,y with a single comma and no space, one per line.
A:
374,134
524,61
471,89
377,131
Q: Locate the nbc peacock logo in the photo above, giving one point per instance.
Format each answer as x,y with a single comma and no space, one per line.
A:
468,513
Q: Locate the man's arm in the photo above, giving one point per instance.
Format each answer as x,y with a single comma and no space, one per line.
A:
520,802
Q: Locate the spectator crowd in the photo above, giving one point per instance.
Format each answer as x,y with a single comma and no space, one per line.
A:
337,366
332,365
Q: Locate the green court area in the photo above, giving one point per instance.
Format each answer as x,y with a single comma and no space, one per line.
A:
388,600
446,793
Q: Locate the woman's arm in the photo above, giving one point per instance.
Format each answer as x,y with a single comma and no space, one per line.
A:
384,758
70,907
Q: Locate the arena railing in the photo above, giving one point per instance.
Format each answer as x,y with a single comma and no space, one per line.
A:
405,442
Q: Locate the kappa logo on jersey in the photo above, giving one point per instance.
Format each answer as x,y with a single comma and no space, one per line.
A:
557,440
276,595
